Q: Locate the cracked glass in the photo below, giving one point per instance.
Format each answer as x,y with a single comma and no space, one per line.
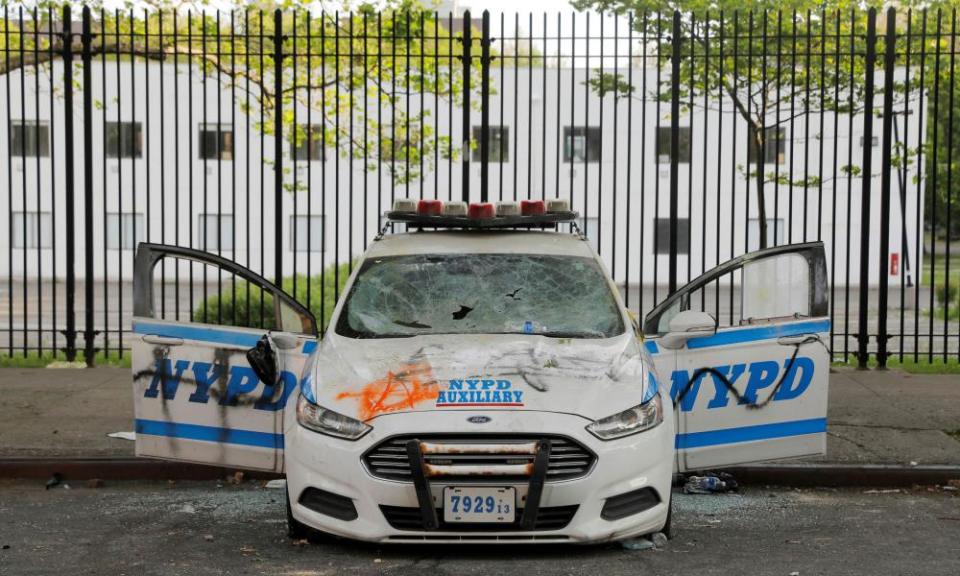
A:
557,296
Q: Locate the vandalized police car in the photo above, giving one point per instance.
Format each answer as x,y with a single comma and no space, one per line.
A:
482,381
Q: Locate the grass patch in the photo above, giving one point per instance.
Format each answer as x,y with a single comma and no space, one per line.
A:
36,360
922,366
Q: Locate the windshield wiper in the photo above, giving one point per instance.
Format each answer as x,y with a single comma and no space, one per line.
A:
558,334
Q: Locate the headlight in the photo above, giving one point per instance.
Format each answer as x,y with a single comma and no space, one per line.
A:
636,419
324,421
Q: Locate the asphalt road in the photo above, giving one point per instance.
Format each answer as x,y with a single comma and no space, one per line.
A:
202,528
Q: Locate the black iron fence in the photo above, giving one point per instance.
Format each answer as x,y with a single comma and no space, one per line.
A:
279,139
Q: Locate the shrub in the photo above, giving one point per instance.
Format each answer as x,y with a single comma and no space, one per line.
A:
246,305
946,293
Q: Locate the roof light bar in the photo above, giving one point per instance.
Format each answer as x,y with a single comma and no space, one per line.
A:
524,214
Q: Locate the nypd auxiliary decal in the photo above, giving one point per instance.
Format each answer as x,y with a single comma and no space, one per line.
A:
483,393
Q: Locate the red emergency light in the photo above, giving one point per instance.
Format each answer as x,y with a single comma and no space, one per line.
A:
429,207
478,210
532,207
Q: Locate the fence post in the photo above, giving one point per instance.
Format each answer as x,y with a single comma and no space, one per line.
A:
67,37
863,333
278,146
889,61
674,147
89,334
465,162
485,107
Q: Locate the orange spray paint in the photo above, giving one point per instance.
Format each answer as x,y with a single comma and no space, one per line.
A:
400,390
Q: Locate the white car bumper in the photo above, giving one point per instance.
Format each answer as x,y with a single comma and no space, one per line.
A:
643,460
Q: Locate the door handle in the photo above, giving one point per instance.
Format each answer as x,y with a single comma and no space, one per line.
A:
162,340
798,339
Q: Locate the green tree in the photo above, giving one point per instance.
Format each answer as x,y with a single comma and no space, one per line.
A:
339,64
780,61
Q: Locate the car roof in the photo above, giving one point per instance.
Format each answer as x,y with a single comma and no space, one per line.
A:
476,242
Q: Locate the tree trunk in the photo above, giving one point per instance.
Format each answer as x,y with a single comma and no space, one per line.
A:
759,141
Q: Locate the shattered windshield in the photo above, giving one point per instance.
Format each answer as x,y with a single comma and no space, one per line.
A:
557,296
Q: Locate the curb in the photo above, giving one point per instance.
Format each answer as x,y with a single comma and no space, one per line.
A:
793,475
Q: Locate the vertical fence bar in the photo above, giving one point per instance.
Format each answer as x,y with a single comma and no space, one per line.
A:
87,50
485,107
278,146
863,334
889,61
465,152
70,186
674,147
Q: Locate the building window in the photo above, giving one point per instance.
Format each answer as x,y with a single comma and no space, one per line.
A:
124,231
582,144
664,140
498,143
29,138
774,233
306,143
216,142
124,140
32,230
661,228
215,232
306,233
774,145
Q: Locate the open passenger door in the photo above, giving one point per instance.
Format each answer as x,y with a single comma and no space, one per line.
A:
756,388
217,353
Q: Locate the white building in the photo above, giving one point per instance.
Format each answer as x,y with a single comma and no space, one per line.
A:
182,154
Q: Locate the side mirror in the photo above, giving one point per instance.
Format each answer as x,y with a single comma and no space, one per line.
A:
686,325
263,360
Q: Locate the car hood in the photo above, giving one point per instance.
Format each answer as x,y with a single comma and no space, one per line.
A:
367,378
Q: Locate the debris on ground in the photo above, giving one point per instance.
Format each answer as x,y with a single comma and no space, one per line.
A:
236,479
247,550
54,480
123,435
710,483
884,491
652,541
208,537
300,542
94,483
276,484
187,509
955,483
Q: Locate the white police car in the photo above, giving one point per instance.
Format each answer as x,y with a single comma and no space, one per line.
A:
481,384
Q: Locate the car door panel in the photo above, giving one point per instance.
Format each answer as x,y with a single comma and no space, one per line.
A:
754,391
196,397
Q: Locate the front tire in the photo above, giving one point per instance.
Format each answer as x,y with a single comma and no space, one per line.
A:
296,530
668,526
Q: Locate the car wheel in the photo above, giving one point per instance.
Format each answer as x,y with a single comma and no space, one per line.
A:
667,527
296,530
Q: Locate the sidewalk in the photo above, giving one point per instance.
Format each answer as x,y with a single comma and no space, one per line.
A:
875,417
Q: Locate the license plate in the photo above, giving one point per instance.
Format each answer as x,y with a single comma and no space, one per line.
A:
479,504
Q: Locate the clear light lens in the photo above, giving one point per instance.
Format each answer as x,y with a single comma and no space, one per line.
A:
636,419
404,205
455,209
558,205
324,421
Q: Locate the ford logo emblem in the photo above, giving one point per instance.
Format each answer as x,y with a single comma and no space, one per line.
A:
478,419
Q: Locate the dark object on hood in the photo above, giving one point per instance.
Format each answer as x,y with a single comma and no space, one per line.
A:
54,480
462,312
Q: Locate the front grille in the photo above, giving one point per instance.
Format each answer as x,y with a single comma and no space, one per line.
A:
552,518
568,458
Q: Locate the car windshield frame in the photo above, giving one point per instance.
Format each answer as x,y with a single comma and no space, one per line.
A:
342,326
